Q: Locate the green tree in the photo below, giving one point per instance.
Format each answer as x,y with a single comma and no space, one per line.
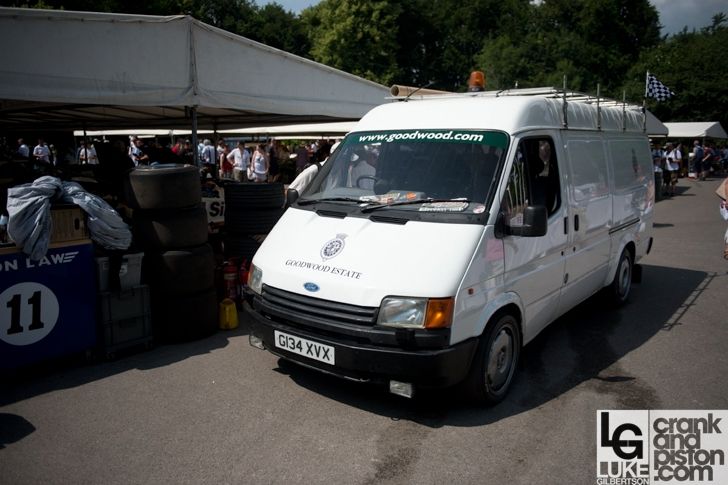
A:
274,26
232,15
589,41
357,36
464,26
689,63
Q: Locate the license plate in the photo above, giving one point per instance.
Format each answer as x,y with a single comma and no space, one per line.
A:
304,347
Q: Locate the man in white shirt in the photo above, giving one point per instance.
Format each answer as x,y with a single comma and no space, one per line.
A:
136,152
41,152
240,159
672,166
304,178
87,155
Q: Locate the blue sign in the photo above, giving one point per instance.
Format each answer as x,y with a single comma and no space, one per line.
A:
47,307
313,287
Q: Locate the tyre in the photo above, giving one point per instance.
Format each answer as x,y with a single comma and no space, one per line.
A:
180,271
240,246
622,283
183,319
163,187
170,229
496,360
252,221
239,197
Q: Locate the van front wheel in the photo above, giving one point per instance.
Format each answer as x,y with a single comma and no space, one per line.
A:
622,283
495,361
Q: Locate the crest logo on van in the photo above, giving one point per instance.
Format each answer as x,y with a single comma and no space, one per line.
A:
333,247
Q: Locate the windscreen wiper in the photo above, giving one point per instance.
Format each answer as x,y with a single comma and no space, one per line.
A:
330,199
410,202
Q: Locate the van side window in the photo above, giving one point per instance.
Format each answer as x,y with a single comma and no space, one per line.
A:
534,180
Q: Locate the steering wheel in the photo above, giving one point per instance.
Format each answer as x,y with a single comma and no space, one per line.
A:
365,177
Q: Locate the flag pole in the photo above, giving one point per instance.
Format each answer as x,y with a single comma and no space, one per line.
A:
599,111
647,82
644,102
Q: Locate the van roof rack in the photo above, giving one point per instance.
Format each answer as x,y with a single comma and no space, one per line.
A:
567,96
545,91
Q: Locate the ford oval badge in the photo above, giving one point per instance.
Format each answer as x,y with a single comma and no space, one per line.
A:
311,287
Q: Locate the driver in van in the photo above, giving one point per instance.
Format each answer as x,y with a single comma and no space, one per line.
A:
362,169
547,178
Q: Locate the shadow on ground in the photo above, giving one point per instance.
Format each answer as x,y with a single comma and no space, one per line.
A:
77,370
13,428
582,346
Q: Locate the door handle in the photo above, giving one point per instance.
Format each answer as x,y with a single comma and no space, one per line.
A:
566,225
576,222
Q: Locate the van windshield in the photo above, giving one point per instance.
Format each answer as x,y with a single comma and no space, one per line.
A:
416,170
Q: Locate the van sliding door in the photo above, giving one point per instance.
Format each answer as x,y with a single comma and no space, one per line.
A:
589,216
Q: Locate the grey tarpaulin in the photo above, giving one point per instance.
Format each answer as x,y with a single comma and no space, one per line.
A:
29,206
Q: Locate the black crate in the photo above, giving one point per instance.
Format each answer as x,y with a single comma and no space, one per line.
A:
125,319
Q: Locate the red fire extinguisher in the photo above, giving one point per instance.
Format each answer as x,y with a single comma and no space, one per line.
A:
230,280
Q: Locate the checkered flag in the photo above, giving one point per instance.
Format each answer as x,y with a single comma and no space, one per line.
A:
657,90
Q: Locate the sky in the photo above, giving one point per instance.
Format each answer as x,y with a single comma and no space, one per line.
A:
674,14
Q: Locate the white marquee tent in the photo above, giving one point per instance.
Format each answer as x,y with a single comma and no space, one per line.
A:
65,70
707,129
299,130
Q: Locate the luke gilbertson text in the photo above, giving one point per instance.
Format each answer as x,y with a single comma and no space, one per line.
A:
679,447
324,268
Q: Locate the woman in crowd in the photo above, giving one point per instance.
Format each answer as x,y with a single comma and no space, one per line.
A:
226,166
258,171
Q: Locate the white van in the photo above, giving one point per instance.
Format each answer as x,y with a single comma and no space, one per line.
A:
447,232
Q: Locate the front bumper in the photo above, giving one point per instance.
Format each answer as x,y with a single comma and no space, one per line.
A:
441,367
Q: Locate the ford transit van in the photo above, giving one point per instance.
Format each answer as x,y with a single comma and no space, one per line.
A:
446,232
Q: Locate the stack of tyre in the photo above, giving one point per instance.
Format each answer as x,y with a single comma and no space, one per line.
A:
251,211
170,224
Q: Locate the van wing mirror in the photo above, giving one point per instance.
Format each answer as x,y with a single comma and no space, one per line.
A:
291,197
535,220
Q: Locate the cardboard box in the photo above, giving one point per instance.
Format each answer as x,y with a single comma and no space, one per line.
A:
68,223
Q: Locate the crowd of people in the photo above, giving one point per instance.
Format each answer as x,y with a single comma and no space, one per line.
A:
674,160
260,162
254,162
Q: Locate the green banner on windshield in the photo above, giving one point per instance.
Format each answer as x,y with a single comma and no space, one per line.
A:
492,138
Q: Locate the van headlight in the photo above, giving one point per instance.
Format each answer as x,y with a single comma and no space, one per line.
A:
255,279
416,312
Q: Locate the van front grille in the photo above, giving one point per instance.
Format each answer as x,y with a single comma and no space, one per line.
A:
305,308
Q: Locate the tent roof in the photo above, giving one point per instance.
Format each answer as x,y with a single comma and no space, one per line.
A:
316,130
116,70
704,129
321,129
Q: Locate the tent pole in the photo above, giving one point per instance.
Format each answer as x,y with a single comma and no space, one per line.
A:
194,136
85,144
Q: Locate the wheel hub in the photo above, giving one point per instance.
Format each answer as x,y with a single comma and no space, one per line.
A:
501,356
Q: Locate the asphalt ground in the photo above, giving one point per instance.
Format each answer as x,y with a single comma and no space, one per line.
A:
219,411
